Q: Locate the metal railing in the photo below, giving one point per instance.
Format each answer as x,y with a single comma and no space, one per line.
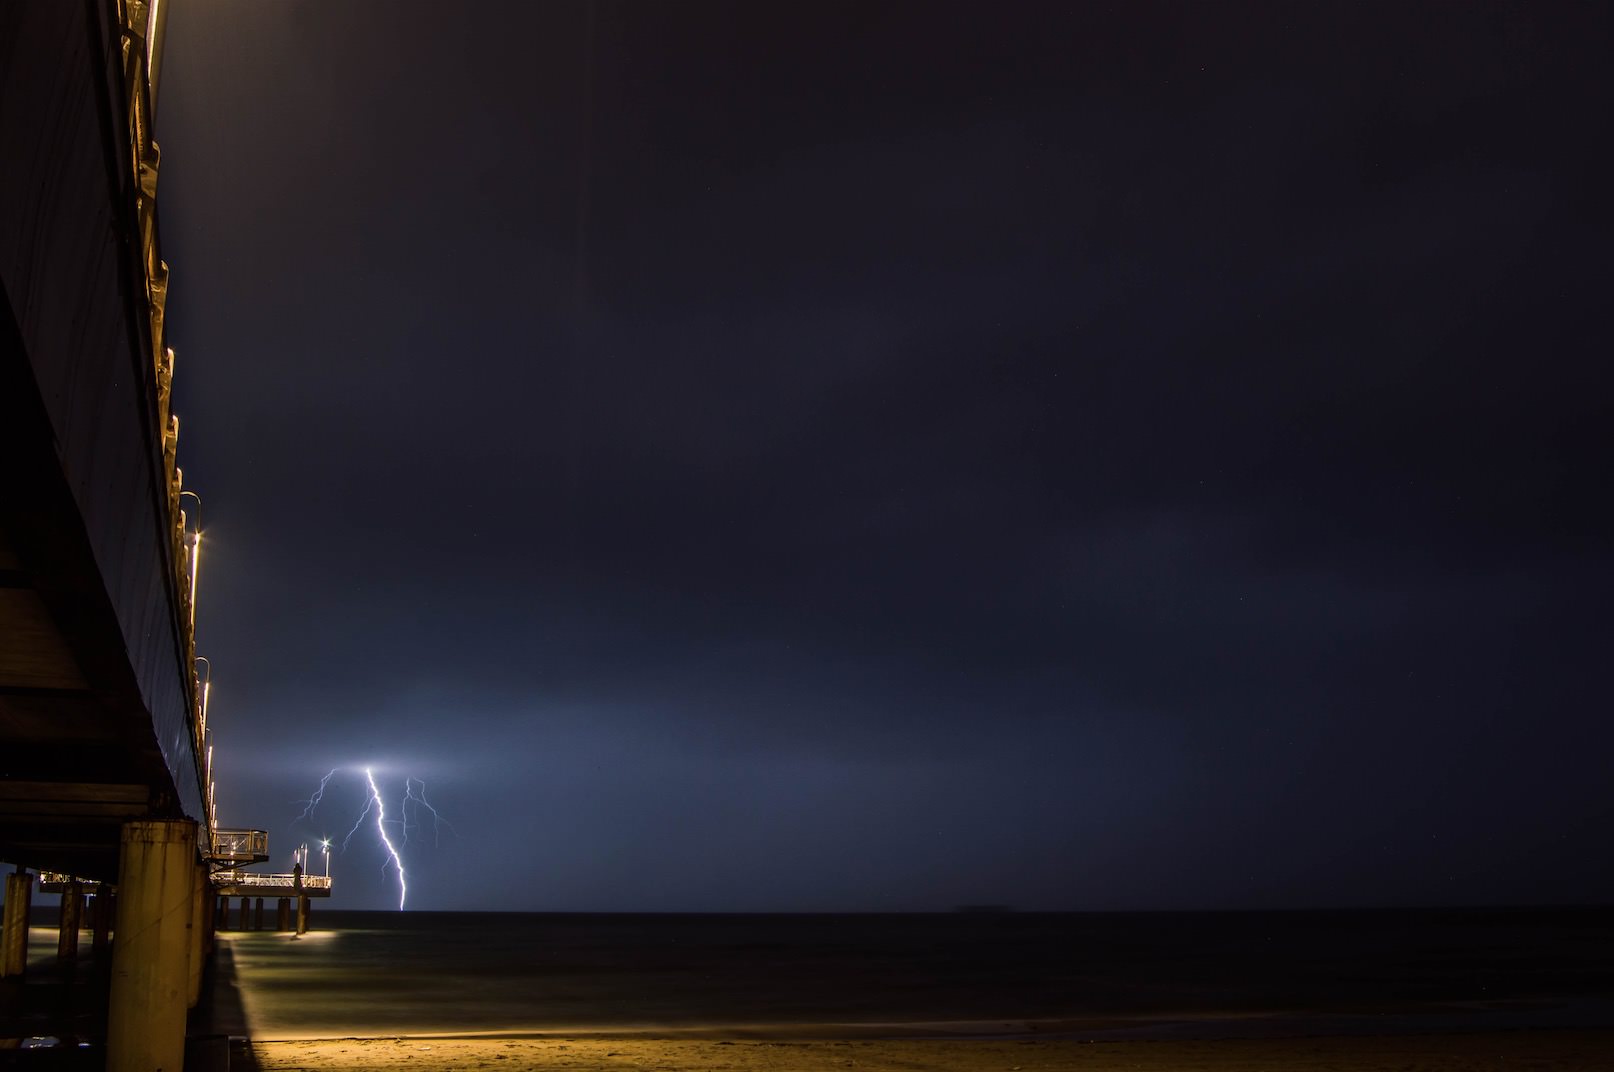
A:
57,882
279,882
241,845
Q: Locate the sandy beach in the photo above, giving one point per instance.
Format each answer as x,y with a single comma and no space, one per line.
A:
1541,1051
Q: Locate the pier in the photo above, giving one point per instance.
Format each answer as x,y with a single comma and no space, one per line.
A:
106,778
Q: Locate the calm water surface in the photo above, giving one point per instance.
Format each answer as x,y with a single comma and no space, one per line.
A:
1105,975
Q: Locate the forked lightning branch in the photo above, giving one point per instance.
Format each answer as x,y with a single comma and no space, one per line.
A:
392,832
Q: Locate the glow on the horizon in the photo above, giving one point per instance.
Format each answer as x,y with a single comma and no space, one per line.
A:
381,828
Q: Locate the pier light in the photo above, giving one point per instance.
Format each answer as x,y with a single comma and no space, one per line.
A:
207,687
196,559
325,847
196,550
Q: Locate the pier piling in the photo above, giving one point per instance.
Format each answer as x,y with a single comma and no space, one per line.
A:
198,937
151,958
283,914
67,923
101,909
14,925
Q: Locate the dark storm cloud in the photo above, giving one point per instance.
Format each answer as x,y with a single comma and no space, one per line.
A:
1136,458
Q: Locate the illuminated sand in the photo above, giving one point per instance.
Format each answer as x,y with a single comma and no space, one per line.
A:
1497,1052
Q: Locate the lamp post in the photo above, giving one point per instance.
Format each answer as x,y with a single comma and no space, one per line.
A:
325,847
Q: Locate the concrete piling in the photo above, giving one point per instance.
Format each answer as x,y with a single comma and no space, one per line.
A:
101,912
14,924
302,901
283,914
151,959
67,923
257,914
198,937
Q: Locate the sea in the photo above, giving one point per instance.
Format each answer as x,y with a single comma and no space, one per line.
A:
973,973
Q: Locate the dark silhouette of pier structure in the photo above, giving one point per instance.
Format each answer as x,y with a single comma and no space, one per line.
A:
106,786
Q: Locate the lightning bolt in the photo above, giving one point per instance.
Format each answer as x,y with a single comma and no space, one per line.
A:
313,802
415,793
381,828
408,819
368,803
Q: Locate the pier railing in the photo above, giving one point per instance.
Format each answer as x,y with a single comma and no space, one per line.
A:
255,881
56,882
238,847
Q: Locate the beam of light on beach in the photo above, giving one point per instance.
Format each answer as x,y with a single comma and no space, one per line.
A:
381,828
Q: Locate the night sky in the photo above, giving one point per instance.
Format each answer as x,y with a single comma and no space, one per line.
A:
861,456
